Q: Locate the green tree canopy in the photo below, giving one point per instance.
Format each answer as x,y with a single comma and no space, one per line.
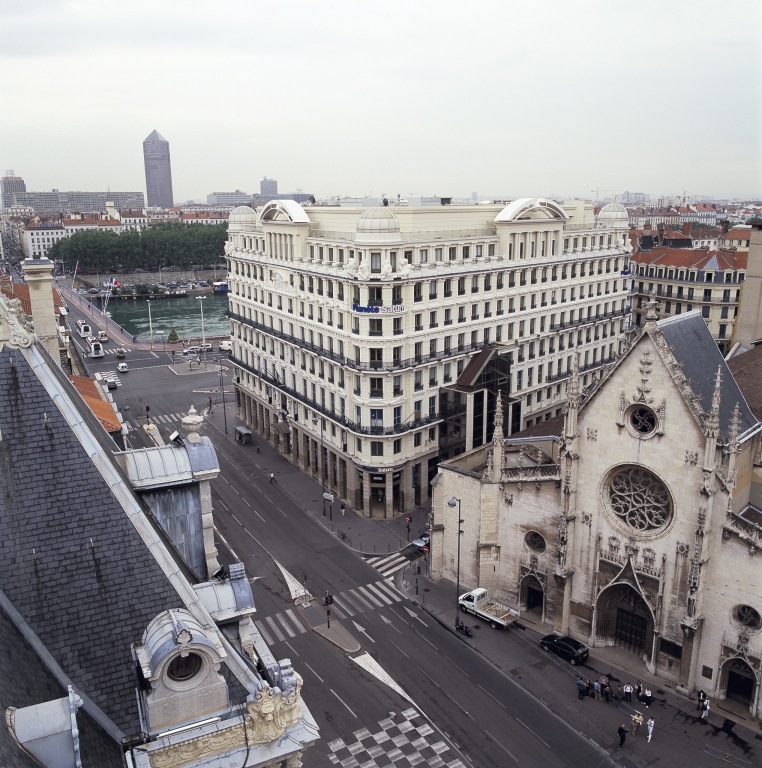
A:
162,245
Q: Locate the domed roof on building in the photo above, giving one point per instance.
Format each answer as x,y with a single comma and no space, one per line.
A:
613,212
242,215
378,219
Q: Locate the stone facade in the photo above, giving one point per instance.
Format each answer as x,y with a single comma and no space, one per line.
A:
635,524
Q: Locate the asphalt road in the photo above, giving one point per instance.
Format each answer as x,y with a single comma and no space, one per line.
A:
476,714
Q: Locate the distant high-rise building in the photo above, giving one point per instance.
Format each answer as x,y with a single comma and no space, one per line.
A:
9,185
81,202
268,186
474,196
158,171
229,198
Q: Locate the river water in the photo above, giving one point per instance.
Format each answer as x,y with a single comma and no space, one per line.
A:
183,315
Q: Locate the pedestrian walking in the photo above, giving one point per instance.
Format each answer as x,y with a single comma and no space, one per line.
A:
607,694
639,691
342,507
628,692
701,700
637,721
619,697
272,477
650,725
581,689
705,709
597,689
622,733
647,696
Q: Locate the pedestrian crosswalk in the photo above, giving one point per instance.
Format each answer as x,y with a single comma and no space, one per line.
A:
388,565
168,418
350,602
102,376
112,350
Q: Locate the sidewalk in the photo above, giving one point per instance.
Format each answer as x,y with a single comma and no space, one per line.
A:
365,535
680,736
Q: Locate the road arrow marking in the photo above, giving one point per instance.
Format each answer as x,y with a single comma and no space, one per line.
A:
390,623
360,629
415,616
369,664
295,587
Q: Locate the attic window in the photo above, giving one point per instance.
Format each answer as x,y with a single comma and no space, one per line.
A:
184,667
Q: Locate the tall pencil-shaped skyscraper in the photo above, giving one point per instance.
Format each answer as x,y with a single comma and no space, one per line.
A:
158,171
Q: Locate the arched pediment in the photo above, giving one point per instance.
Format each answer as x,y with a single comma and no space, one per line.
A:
284,210
528,208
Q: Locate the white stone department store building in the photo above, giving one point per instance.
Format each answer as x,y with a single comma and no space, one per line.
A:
355,329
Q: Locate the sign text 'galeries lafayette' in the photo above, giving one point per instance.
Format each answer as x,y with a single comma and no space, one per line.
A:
393,310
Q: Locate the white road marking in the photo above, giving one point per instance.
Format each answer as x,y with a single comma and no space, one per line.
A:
313,672
534,734
390,623
376,591
374,600
291,615
388,573
384,586
217,531
361,600
344,608
369,664
415,616
264,632
423,638
290,632
364,631
296,653
274,626
499,744
458,667
246,502
492,697
343,702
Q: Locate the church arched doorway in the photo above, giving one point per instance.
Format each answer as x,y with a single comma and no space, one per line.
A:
624,619
532,598
739,682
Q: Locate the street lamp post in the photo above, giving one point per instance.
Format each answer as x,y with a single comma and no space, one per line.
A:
150,324
452,503
203,335
224,411
322,465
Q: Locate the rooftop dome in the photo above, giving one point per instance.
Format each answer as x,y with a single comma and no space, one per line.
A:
378,219
614,214
242,215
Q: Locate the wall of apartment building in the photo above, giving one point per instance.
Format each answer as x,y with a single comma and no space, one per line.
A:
291,302
716,292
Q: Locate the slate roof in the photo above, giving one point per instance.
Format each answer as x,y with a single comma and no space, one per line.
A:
71,561
697,352
747,370
697,258
27,681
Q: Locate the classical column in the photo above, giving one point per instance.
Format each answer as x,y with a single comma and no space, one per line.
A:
389,511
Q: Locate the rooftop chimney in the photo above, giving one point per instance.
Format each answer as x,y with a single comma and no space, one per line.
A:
39,278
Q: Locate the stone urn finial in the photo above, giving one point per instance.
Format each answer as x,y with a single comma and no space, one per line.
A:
192,422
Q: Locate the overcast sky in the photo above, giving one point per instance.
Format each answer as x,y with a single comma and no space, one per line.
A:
351,98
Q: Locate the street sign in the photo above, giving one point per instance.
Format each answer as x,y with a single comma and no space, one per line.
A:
328,497
425,549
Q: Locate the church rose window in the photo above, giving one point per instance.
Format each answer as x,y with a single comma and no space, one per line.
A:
639,499
643,420
747,617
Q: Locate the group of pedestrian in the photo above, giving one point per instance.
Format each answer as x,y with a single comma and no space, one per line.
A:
642,694
637,722
600,689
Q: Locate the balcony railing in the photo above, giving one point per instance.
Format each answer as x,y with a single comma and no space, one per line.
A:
333,415
375,365
588,320
531,474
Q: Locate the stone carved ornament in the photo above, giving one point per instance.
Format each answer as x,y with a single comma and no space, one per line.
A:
14,329
691,457
268,716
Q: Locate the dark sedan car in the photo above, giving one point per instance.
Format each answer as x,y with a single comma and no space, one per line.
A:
566,647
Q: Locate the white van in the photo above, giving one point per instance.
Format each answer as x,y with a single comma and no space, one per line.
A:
102,336
226,345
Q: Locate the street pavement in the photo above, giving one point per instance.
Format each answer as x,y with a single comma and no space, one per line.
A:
415,692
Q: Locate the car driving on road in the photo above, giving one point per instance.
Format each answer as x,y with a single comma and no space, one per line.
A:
566,647
422,541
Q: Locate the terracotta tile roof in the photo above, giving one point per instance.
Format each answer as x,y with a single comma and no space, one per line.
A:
747,371
696,258
101,408
21,291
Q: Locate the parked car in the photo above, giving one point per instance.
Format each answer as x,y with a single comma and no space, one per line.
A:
191,350
122,367
226,345
566,647
422,541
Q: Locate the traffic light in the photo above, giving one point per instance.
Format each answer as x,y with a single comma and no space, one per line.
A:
418,568
328,598
148,409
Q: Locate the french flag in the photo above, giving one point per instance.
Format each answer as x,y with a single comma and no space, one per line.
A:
114,283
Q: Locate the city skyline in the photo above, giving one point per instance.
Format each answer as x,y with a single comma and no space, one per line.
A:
455,103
